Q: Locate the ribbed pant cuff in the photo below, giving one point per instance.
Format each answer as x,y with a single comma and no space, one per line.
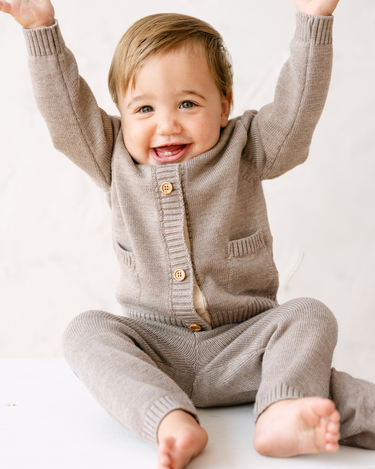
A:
159,410
279,392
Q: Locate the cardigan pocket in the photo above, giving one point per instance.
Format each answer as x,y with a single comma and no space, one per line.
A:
128,289
125,257
251,266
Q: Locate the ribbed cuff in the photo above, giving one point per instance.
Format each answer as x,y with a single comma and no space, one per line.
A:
279,392
315,29
44,41
158,411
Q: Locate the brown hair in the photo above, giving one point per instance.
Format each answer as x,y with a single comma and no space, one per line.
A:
164,32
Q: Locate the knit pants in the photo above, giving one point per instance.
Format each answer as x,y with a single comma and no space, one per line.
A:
140,370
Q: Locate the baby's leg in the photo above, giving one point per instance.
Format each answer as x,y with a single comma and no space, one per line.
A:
355,400
296,415
120,360
296,376
285,422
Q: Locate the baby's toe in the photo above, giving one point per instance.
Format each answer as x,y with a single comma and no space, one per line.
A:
164,458
333,427
332,437
335,417
332,447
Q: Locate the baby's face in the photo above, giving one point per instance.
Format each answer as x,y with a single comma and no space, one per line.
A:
175,111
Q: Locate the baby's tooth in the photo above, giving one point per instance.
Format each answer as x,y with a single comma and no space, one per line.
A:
168,153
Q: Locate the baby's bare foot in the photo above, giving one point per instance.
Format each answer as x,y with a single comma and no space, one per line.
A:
176,452
181,438
298,426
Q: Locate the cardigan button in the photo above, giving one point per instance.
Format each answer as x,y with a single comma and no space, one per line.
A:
180,275
166,188
195,327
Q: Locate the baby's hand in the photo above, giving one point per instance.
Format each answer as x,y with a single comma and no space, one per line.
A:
316,7
30,13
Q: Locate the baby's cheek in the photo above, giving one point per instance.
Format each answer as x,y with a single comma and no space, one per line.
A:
135,138
209,134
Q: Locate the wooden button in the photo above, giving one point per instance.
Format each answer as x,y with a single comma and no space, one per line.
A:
180,275
195,327
166,188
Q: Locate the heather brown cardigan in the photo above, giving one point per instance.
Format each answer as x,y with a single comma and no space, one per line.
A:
219,192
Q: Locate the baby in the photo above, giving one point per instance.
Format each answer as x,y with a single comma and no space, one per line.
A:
201,325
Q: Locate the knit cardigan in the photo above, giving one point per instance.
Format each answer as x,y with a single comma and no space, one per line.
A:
219,192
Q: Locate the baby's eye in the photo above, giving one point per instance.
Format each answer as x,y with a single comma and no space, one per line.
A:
187,105
145,109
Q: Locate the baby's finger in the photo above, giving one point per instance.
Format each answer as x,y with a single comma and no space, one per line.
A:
5,7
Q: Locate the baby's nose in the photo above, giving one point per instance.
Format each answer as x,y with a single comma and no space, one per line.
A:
168,125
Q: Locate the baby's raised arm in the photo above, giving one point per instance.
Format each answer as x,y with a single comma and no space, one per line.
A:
281,132
77,125
30,14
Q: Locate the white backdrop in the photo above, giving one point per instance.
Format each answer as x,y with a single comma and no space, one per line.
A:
56,257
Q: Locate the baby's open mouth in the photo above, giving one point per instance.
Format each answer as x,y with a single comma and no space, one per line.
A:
169,150
166,154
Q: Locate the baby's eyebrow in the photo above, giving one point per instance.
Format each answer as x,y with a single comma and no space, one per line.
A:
193,92
143,96
140,97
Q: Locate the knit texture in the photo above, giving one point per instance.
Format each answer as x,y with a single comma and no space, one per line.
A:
143,366
141,370
219,192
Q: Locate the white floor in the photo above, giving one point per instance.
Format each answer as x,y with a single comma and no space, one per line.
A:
49,421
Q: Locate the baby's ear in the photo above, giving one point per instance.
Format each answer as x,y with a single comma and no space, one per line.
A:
226,102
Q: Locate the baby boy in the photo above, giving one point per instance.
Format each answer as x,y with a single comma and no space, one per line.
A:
201,326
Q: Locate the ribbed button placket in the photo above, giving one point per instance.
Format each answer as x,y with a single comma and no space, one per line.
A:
173,218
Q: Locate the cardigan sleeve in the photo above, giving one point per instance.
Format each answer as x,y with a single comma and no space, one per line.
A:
280,133
78,127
